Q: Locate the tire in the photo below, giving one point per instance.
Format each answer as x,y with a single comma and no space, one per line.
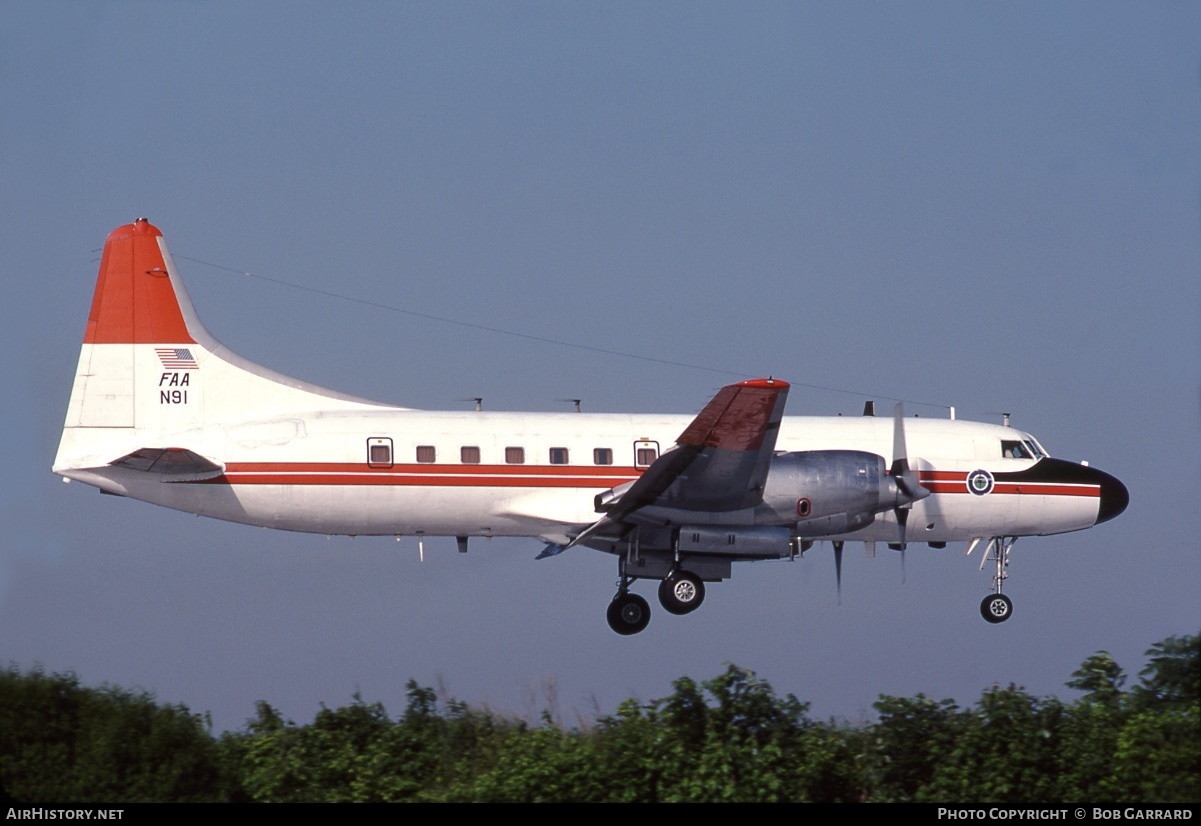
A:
628,614
681,593
996,608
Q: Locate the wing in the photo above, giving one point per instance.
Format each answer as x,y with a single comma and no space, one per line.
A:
719,463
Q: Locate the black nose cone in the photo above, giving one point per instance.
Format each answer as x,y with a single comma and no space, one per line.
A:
1114,497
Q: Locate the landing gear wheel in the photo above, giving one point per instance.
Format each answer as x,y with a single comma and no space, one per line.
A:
681,593
628,614
996,608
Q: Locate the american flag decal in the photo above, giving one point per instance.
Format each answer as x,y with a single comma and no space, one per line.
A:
176,358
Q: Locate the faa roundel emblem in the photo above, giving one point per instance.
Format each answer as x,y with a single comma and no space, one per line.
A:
979,482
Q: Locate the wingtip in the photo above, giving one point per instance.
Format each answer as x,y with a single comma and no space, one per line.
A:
737,418
768,383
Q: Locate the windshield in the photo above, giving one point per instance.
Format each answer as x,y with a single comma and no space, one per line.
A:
1014,449
1026,448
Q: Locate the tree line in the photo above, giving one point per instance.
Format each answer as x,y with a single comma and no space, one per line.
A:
730,738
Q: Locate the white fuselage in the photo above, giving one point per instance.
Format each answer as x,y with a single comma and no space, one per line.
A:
313,472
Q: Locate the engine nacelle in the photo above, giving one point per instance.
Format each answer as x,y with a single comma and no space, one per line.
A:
828,492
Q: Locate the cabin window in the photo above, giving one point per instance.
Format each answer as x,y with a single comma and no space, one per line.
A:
558,455
602,456
645,453
379,452
380,455
426,454
514,455
469,455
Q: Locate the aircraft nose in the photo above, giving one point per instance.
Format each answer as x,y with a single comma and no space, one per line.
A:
1114,497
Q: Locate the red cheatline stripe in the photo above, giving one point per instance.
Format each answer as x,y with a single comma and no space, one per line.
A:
612,471
424,481
1027,488
943,487
544,476
1047,489
532,476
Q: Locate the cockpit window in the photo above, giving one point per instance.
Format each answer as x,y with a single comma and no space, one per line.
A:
1015,449
1036,450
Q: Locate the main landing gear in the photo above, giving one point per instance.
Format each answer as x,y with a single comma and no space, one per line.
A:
996,607
680,592
628,613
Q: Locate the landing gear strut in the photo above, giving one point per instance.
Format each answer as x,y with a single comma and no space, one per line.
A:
996,607
681,592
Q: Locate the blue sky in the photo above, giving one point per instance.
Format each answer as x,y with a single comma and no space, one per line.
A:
991,206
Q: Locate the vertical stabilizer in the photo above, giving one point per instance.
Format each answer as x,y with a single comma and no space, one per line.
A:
149,369
134,303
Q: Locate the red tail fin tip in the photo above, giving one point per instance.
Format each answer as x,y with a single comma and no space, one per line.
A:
135,301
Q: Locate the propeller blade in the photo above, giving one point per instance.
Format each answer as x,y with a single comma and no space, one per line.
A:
838,568
900,456
900,547
909,488
907,481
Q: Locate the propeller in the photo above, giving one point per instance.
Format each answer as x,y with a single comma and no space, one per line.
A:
909,488
905,490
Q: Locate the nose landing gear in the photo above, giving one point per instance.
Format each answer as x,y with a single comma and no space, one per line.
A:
996,607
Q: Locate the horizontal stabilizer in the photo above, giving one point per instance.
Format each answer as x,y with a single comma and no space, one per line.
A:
551,549
173,464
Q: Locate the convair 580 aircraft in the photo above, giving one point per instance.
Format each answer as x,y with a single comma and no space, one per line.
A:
164,413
